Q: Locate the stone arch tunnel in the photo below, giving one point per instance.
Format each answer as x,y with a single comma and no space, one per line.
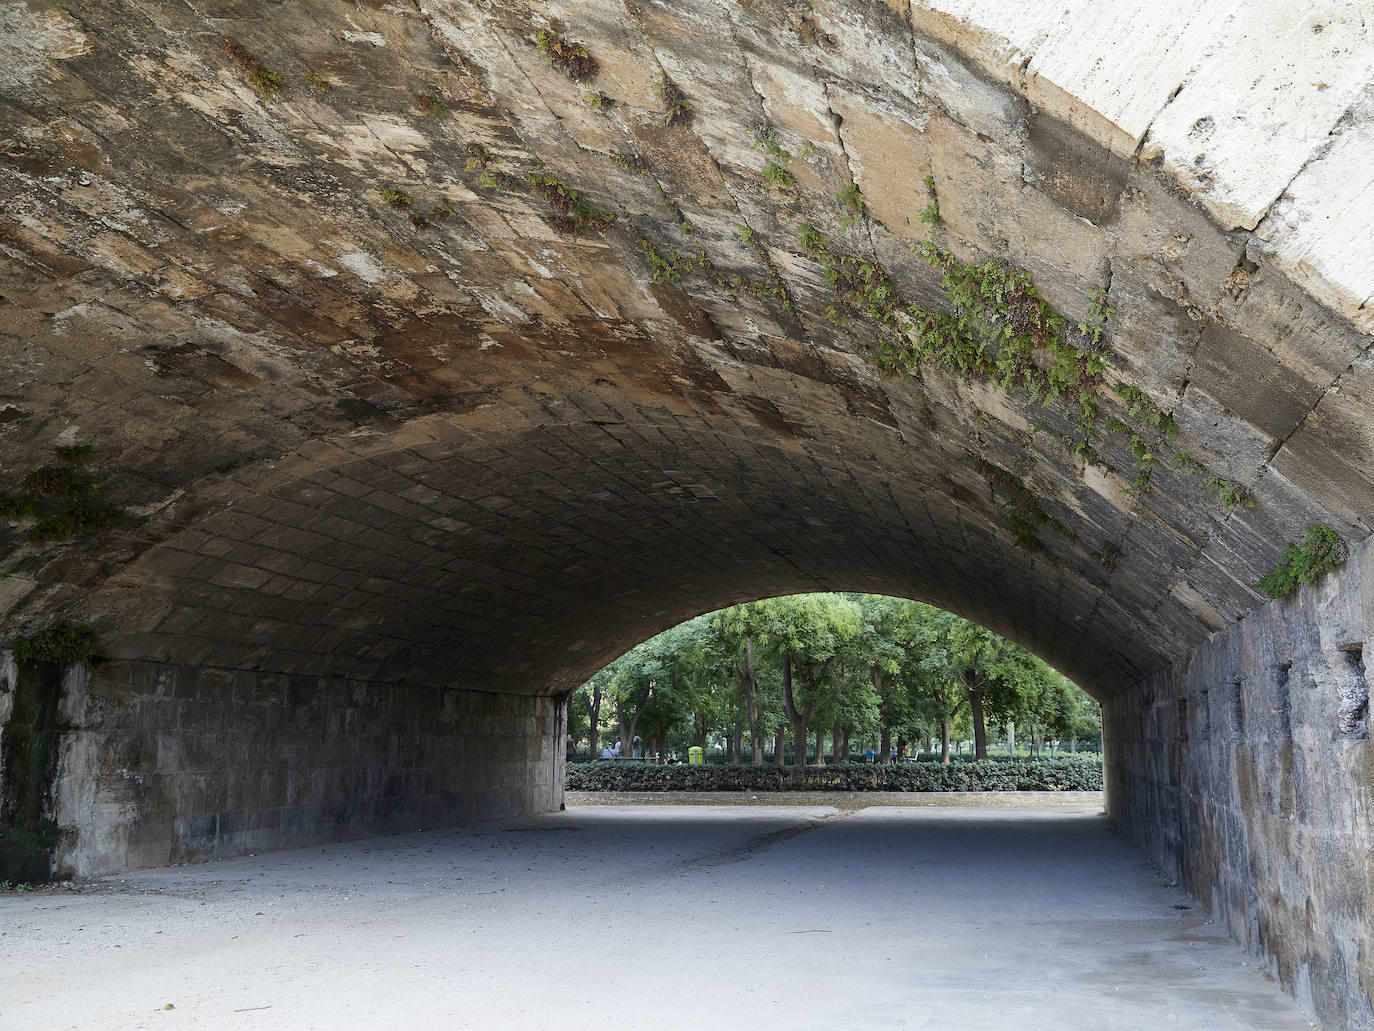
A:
376,372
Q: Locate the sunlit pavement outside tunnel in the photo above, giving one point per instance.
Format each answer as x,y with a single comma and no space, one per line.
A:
650,916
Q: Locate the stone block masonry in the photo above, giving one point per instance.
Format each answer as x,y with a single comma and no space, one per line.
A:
169,764
1246,772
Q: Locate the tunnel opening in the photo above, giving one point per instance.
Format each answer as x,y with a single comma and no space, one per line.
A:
400,364
881,678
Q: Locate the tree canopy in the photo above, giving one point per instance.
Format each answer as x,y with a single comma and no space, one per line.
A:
867,670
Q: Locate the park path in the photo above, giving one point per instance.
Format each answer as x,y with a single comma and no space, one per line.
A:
654,916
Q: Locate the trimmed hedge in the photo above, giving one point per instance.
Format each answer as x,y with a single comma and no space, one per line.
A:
1063,773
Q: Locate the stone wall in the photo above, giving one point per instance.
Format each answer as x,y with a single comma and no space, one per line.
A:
1247,774
166,764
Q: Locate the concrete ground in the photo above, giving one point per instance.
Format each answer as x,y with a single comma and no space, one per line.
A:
650,916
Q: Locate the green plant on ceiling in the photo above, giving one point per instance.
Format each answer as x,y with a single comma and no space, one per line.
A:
852,199
679,111
265,82
59,501
1025,515
573,58
59,644
1321,550
776,172
430,105
931,215
670,268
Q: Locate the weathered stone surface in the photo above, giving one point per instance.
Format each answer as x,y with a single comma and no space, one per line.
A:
1247,773
486,447
211,290
168,764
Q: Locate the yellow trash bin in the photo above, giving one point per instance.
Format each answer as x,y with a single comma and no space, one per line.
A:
694,756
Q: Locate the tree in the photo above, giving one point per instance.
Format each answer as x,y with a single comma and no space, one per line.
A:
857,666
808,633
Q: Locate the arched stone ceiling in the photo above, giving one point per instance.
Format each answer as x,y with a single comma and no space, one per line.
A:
491,448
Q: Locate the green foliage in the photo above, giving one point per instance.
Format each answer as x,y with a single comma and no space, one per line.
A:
265,82
776,286
596,100
776,171
430,105
1139,405
571,212
316,82
1099,311
861,667
931,215
18,506
779,177
398,199
58,482
441,212
853,200
1144,463
1185,463
60,499
1230,494
1062,773
767,140
632,163
808,150
1025,513
573,58
59,644
997,326
481,158
679,111
74,520
1321,550
670,268
861,287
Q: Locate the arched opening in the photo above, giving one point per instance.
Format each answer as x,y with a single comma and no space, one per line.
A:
880,679
376,380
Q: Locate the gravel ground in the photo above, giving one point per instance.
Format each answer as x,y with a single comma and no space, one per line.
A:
976,916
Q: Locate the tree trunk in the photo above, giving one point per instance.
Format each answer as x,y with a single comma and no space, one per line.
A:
885,745
945,726
749,681
820,748
736,743
980,732
836,738
798,717
901,746
780,745
594,733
